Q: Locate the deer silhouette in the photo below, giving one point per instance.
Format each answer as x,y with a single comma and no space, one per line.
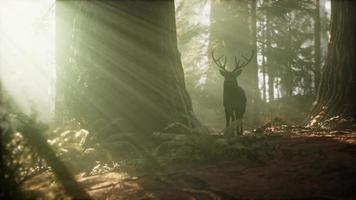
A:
234,97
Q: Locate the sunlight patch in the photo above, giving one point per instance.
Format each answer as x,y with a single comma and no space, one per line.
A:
27,54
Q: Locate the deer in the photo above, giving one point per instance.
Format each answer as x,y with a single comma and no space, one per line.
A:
234,98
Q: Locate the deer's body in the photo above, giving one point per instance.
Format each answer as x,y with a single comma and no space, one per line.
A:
234,99
234,96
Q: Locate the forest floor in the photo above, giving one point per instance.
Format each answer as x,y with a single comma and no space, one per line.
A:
294,163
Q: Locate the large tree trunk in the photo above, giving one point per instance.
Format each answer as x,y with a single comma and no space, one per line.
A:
4,189
124,63
336,94
317,52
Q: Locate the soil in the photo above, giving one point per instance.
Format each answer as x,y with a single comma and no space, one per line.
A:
286,164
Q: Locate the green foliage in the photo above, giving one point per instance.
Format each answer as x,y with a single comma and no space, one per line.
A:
199,146
286,34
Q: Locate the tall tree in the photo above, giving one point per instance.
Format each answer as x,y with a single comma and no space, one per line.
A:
256,98
262,45
3,191
289,31
266,40
118,61
270,56
336,94
317,47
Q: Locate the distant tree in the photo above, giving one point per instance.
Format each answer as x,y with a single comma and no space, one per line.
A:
118,62
256,96
261,40
270,58
192,34
288,47
336,94
265,39
230,34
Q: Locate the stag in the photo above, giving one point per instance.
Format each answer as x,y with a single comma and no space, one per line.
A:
234,97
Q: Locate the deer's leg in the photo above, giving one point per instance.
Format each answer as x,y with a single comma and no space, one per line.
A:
240,126
236,125
227,116
233,115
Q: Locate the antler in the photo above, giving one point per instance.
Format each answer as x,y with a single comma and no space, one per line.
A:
247,60
217,61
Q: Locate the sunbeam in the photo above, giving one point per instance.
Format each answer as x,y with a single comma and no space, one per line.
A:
27,54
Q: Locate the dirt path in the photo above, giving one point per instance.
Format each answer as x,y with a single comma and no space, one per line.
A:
294,166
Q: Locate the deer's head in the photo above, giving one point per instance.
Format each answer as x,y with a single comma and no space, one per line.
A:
230,76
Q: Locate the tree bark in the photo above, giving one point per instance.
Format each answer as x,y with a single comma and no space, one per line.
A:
256,97
336,95
263,48
126,64
269,65
317,52
264,74
3,180
288,84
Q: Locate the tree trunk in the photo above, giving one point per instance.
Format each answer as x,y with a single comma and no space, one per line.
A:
64,32
317,53
3,190
270,70
336,94
288,77
264,74
216,42
263,43
124,62
256,98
